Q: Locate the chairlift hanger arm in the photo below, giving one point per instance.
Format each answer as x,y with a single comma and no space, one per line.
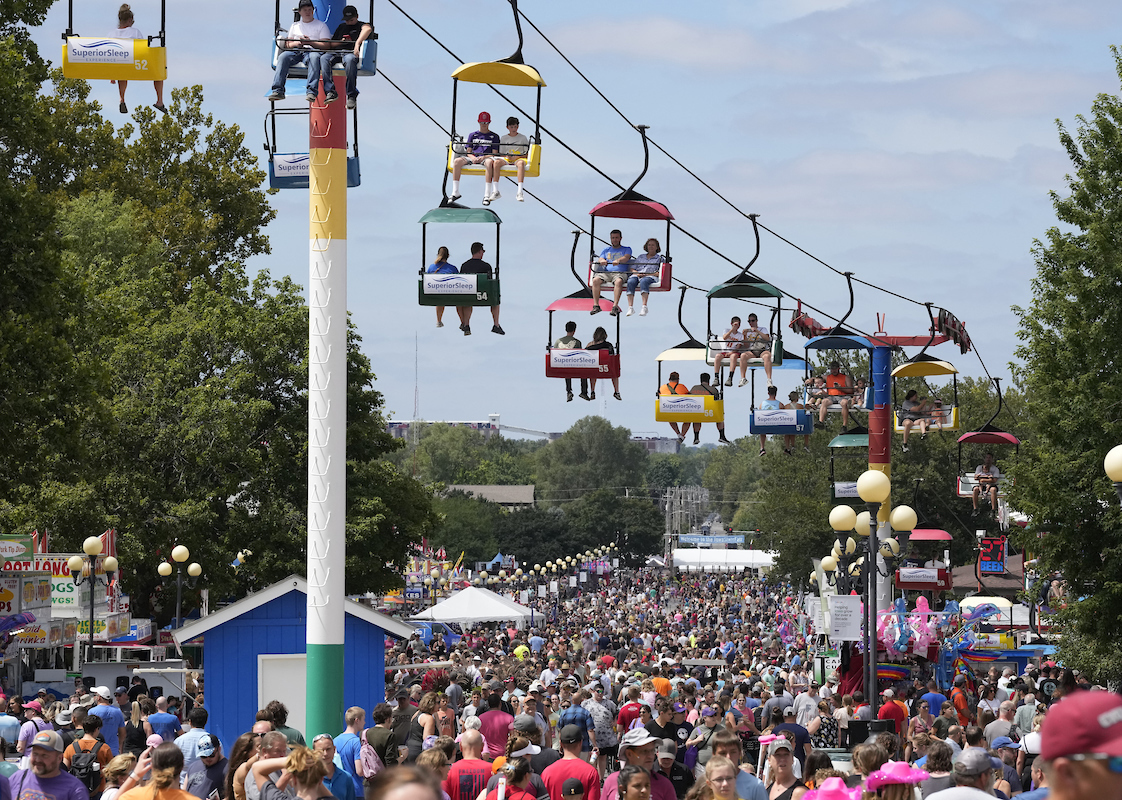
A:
516,56
573,262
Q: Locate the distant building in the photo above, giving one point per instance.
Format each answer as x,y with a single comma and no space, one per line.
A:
400,430
659,444
509,497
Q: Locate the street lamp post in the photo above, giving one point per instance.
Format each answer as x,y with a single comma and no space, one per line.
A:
873,487
179,554
1113,466
84,570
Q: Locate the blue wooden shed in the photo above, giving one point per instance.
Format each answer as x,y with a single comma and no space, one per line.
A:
254,651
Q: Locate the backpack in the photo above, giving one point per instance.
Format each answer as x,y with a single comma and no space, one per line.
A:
85,767
372,763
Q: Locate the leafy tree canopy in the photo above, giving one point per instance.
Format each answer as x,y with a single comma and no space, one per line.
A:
1071,336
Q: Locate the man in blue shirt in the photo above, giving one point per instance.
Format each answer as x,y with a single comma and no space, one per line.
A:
349,745
934,698
338,781
163,723
9,725
112,720
611,266
771,404
576,715
189,741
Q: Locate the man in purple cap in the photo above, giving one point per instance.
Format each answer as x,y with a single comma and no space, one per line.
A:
1081,746
44,778
480,145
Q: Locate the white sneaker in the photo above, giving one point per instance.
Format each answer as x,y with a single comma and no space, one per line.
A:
520,197
643,311
495,195
630,310
486,200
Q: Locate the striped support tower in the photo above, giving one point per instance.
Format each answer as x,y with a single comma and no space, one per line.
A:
880,459
880,451
327,414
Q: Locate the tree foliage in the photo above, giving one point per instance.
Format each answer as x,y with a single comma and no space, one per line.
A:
1071,336
151,384
592,454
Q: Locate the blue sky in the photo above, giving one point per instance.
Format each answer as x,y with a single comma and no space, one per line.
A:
912,144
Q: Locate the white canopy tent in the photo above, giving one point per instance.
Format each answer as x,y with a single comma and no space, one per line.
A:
697,560
475,604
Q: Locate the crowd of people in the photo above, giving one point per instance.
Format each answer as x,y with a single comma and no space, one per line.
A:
640,688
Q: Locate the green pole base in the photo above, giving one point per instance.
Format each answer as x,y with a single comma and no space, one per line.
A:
324,690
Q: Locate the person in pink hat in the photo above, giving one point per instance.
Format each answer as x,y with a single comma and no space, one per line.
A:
35,723
1081,747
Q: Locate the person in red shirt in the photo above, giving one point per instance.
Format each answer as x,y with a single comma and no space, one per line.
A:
630,710
571,765
892,710
468,776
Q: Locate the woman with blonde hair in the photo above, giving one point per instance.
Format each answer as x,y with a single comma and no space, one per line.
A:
166,765
117,772
435,761
302,767
127,30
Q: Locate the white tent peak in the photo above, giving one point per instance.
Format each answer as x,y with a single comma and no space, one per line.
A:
474,604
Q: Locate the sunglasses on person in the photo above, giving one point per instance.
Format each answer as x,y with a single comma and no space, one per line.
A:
1113,763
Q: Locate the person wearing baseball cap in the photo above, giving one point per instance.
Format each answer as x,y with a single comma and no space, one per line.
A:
35,723
207,774
638,748
802,745
480,145
112,720
299,45
681,778
571,766
45,777
350,34
1081,746
973,777
572,789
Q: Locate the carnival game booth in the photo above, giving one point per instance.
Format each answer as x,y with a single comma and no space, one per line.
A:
255,651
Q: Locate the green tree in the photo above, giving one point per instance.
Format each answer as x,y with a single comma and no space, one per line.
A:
1071,335
601,517
536,535
731,477
155,387
467,524
593,454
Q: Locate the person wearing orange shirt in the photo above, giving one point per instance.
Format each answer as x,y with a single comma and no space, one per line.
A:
674,387
839,390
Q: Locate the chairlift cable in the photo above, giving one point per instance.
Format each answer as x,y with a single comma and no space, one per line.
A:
615,183
693,174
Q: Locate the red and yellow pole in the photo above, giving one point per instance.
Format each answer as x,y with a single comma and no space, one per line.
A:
327,413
